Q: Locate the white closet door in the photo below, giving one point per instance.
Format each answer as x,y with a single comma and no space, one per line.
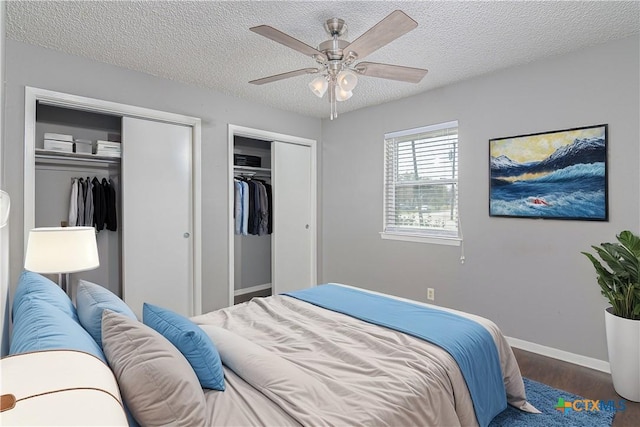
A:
292,263
156,206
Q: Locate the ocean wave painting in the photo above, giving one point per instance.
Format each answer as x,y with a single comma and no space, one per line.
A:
559,175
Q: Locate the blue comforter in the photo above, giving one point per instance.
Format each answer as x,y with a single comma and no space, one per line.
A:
468,342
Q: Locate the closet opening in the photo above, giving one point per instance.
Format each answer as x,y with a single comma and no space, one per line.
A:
280,257
253,218
68,137
66,166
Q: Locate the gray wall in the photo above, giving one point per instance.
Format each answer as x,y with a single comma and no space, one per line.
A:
43,68
527,275
4,232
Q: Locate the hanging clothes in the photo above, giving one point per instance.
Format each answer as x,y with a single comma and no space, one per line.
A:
245,208
109,187
93,203
237,205
269,202
82,192
88,204
257,213
99,204
252,207
263,213
73,203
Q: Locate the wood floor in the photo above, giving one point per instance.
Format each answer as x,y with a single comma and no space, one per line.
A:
576,379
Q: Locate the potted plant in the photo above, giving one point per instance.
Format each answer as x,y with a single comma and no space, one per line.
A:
619,280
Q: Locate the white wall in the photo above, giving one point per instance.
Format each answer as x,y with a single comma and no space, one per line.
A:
527,275
43,68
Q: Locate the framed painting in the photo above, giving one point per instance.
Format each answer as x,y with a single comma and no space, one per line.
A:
551,175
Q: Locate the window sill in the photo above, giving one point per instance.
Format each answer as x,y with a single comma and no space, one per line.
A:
447,241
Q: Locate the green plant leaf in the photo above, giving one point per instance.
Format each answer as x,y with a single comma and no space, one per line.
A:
618,273
630,241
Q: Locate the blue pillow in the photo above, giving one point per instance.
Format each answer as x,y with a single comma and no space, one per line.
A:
36,286
91,300
39,325
194,344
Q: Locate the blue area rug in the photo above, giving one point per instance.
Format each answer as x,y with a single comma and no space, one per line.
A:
545,399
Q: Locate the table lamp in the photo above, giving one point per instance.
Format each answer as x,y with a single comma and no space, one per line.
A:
62,250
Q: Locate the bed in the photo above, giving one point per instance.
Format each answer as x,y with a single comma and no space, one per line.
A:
303,364
285,360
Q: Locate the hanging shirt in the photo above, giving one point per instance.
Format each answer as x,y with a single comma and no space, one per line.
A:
257,209
82,191
73,203
263,214
252,207
237,206
245,208
99,204
88,204
269,204
111,222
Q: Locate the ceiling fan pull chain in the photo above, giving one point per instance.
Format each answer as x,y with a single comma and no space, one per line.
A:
332,98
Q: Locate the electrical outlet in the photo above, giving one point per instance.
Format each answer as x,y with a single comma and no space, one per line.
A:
431,294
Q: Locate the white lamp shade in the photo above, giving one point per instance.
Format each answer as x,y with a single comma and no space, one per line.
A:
319,86
342,95
61,250
347,80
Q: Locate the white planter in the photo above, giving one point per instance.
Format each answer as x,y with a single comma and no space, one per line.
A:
623,343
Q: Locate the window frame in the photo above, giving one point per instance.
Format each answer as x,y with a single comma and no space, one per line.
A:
415,235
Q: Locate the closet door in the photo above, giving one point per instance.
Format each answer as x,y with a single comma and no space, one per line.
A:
292,262
157,215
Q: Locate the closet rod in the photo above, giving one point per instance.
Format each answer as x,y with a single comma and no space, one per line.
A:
252,169
250,175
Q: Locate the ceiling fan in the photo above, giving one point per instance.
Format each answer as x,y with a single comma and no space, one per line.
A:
337,57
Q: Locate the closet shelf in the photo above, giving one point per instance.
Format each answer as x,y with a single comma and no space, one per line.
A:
250,169
47,155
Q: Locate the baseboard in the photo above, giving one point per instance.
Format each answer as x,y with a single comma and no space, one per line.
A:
256,288
576,359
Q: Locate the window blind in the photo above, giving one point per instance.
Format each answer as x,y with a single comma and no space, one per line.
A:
421,181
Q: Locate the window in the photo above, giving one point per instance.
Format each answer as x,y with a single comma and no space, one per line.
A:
421,184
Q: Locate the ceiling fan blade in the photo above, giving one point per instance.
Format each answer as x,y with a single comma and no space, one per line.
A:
384,32
283,76
287,40
393,72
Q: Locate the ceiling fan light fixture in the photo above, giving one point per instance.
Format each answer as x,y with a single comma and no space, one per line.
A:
337,57
347,80
342,95
319,86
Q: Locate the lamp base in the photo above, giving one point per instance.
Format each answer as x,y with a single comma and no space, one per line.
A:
63,281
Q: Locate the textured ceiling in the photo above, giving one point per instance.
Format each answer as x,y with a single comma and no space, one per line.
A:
209,43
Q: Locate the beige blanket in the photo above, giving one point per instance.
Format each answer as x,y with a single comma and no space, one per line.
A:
288,362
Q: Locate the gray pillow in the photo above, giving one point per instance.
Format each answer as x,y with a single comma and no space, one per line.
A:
156,381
